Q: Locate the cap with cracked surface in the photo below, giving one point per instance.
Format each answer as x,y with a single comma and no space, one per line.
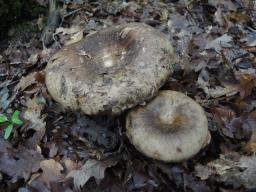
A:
172,127
111,70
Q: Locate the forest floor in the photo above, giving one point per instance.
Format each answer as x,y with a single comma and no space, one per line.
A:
44,147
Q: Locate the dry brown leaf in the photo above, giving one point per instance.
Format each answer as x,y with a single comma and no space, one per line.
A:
75,38
217,91
36,121
203,172
246,84
68,31
51,171
218,43
92,168
70,165
33,58
239,17
223,116
250,146
18,163
250,124
236,172
33,78
33,114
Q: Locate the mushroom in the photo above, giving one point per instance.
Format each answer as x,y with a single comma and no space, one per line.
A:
172,127
111,70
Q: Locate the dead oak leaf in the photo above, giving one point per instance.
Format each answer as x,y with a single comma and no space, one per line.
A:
36,120
236,172
250,125
92,168
250,39
250,146
217,90
218,43
33,78
33,114
246,84
18,163
203,172
229,4
51,171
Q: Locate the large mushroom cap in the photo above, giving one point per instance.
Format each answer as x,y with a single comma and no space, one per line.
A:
172,127
111,70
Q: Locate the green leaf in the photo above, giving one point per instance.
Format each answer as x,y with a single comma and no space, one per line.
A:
8,131
3,118
16,119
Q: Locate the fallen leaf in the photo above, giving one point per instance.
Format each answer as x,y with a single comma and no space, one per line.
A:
250,146
250,125
33,58
36,120
217,44
70,165
239,17
18,163
75,38
226,3
219,17
51,171
246,84
33,114
68,31
33,78
216,91
236,172
203,172
191,182
250,39
92,168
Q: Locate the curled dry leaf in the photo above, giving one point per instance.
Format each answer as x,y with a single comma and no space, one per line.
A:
36,78
244,86
75,38
215,91
92,168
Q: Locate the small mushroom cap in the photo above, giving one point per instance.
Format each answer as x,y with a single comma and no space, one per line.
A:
111,70
172,127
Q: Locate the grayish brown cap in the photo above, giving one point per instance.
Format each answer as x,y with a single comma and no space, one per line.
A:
172,127
111,70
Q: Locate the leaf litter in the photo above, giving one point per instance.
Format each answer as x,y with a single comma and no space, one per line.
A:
60,150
